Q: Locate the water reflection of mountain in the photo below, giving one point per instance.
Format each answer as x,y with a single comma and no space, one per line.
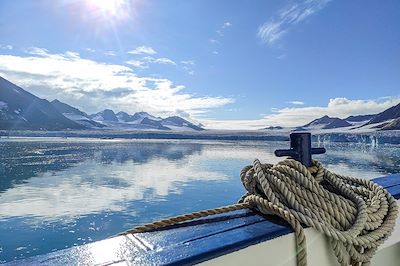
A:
142,152
20,161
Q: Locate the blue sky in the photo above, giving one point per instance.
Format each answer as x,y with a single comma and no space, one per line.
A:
226,64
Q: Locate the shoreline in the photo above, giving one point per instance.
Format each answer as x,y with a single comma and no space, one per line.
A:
374,138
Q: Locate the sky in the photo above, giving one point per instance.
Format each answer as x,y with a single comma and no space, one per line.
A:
226,64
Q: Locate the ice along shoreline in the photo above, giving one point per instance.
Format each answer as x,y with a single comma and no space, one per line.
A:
373,138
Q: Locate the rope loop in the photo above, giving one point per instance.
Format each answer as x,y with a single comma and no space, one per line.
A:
356,214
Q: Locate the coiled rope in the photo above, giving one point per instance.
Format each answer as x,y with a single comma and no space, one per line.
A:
356,215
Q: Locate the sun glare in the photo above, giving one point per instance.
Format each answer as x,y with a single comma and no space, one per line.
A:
109,7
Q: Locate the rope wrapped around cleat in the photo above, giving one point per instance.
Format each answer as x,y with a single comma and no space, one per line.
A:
356,214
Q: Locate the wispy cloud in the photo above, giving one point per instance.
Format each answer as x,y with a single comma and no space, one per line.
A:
137,64
37,51
143,50
188,65
6,47
220,34
145,61
280,57
93,85
272,30
226,25
296,102
298,116
110,53
161,60
223,27
188,62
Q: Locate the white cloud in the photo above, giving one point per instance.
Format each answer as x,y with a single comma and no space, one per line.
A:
74,55
221,30
298,116
277,26
188,62
213,41
296,102
110,53
92,85
6,47
215,52
169,98
282,56
145,61
143,50
163,60
226,25
137,63
188,66
37,51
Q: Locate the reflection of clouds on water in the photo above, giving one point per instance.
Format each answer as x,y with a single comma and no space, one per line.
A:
20,161
91,187
53,180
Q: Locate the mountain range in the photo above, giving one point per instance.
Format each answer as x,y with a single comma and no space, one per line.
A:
389,119
21,110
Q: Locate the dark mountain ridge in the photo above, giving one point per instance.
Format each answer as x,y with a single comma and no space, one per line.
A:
359,118
23,110
76,115
390,113
67,109
327,122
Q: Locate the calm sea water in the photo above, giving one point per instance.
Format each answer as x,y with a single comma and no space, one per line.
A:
57,193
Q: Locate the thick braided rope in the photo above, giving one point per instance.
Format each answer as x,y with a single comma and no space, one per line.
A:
185,217
356,214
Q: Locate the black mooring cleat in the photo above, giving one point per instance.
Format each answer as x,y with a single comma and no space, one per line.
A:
300,148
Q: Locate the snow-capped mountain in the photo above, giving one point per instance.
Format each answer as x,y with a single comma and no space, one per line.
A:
326,122
20,109
76,115
389,119
143,120
139,116
176,122
124,117
394,125
153,123
136,117
106,115
386,117
359,118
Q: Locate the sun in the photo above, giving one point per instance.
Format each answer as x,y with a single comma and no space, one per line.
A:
109,7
